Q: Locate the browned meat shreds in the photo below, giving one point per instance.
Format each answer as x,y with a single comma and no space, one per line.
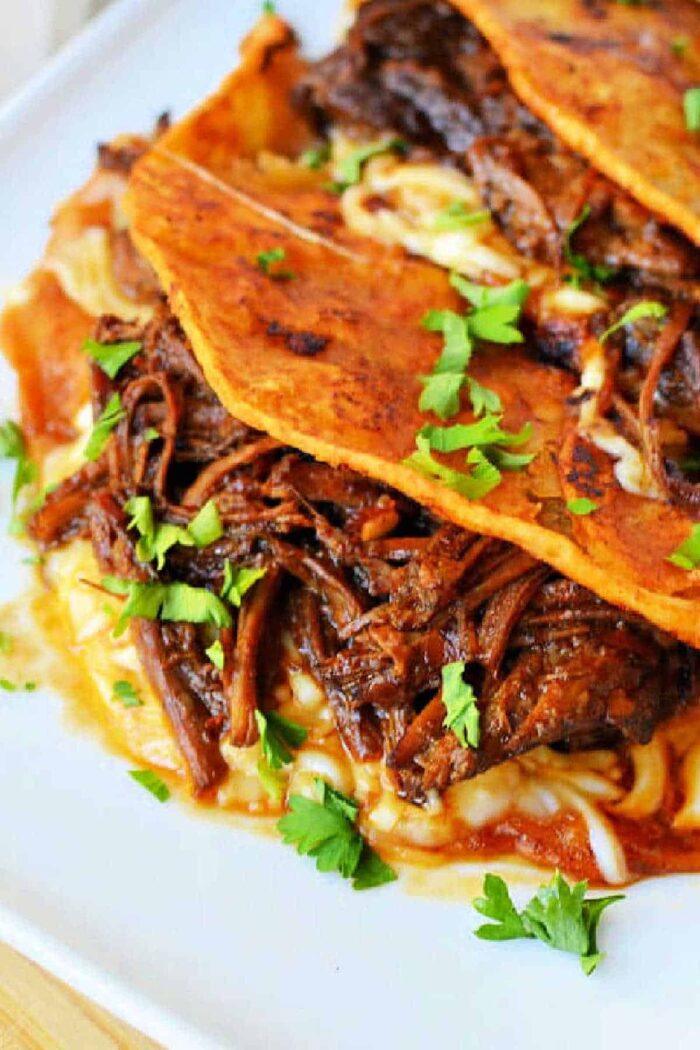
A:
377,594
419,69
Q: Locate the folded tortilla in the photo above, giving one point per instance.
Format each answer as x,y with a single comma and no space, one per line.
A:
609,79
329,361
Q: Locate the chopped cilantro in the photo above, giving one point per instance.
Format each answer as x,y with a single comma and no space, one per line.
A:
583,270
277,735
482,399
326,831
581,506
485,431
6,642
125,693
504,460
496,310
13,687
481,480
104,425
679,45
176,602
559,915
455,217
151,782
150,434
316,157
687,555
111,357
441,388
483,297
215,652
647,308
238,581
156,540
12,446
206,527
462,713
350,169
691,108
274,255
141,510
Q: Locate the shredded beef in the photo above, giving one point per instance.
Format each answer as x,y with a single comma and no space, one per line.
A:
376,594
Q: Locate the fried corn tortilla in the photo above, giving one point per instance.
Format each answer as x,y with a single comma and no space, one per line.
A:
329,360
609,78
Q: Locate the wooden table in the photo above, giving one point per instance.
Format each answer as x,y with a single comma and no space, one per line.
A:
38,1012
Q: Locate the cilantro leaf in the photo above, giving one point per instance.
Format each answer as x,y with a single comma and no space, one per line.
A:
482,399
316,157
141,510
457,349
156,540
687,554
583,270
176,602
269,7
111,357
151,782
483,297
497,904
150,434
126,694
274,255
691,108
496,324
581,506
679,45
103,427
326,831
371,871
277,735
496,309
456,217
350,169
481,480
12,446
238,581
206,526
485,431
319,831
215,652
441,393
13,687
647,308
504,460
558,915
462,713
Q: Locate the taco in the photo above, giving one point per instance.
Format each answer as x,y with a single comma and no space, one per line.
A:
396,444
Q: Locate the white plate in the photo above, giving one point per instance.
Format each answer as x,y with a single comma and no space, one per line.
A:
202,935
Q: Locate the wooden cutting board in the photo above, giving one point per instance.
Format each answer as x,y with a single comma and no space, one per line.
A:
38,1012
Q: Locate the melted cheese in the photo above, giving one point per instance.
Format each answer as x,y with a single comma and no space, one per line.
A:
83,266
